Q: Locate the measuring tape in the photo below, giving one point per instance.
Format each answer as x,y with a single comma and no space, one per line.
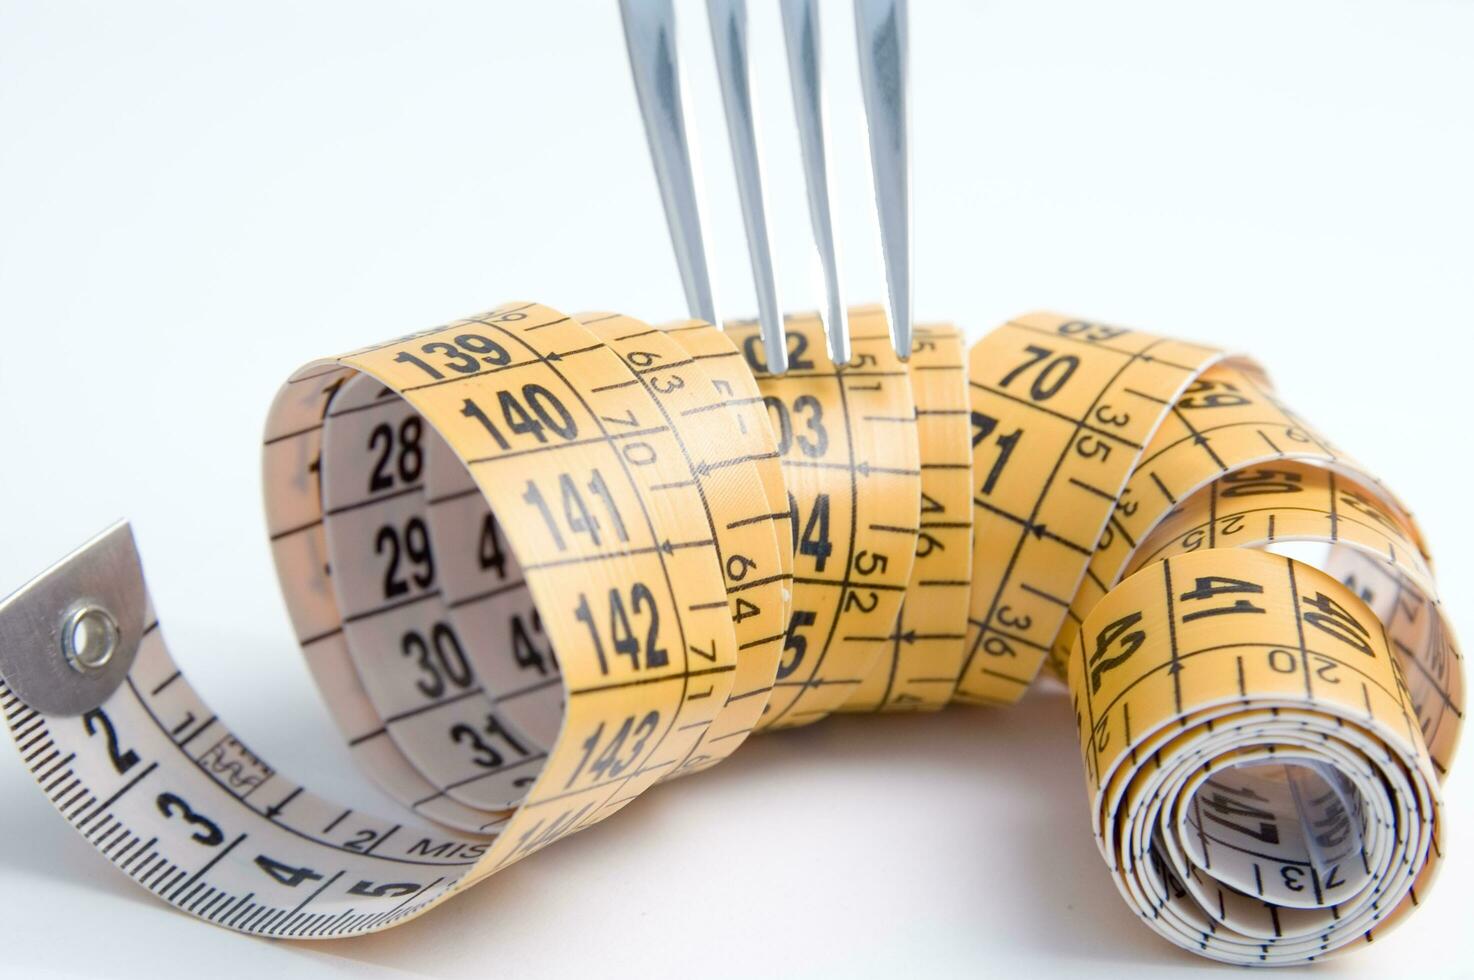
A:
539,563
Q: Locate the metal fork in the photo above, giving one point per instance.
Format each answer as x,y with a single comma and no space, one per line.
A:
881,29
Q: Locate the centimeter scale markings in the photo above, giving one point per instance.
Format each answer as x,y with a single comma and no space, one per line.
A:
404,646
727,485
539,563
847,441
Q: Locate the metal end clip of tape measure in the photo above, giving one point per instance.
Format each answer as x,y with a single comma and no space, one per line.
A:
539,563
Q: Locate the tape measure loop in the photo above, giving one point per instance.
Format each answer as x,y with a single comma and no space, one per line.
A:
539,563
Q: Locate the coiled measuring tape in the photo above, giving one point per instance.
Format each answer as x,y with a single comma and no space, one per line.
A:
539,563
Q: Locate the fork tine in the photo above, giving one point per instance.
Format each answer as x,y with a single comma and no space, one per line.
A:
880,29
801,34
881,36
650,36
729,40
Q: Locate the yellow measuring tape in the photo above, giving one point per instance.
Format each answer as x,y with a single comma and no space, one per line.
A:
539,563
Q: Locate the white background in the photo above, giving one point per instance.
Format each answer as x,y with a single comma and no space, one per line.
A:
195,199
